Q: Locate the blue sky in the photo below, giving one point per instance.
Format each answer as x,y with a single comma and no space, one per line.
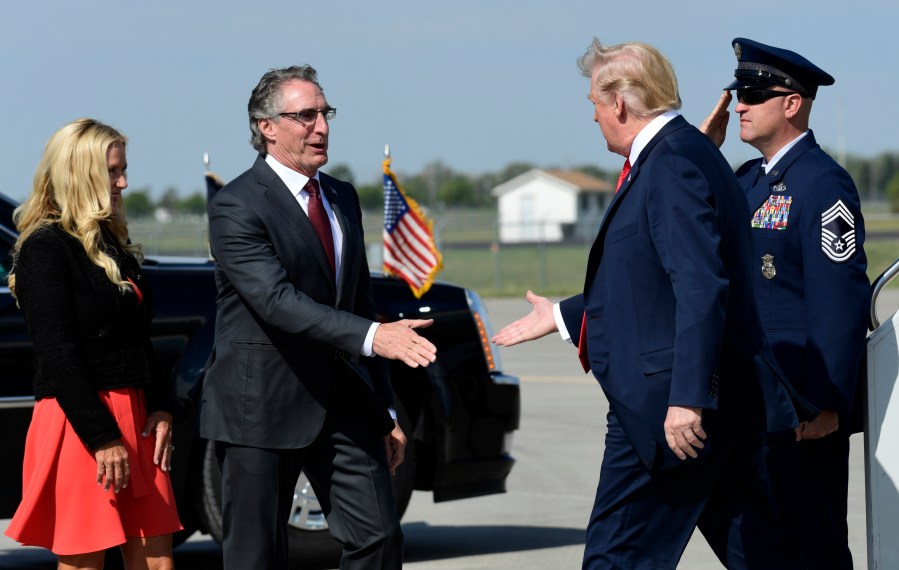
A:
474,83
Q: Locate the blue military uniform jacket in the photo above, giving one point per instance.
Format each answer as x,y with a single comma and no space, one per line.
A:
810,281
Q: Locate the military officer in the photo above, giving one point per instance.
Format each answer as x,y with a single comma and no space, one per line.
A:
811,286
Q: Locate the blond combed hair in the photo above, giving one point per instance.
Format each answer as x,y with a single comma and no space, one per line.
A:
638,72
72,188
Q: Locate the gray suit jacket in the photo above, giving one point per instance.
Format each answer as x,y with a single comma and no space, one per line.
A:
288,337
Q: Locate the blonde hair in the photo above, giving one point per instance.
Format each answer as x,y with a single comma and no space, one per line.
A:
638,72
72,188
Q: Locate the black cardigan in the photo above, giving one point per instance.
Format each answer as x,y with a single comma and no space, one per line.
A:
87,335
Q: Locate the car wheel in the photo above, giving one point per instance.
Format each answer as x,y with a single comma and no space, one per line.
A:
307,528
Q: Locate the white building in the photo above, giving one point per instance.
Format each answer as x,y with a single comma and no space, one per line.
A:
551,206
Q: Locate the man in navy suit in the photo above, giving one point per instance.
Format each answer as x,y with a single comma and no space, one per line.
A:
668,325
292,386
810,285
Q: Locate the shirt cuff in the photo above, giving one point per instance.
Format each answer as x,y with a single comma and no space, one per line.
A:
392,413
560,323
367,349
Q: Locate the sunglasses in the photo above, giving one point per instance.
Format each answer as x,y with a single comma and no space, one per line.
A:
759,96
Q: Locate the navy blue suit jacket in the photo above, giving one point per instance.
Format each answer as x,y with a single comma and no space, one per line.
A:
814,307
671,318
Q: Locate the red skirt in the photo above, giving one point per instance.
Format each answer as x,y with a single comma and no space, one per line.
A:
63,508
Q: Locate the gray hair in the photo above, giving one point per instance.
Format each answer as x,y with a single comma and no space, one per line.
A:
638,72
265,102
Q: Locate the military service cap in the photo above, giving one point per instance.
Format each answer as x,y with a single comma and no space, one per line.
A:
759,65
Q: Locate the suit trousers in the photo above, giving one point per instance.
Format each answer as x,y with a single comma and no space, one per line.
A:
642,520
347,467
810,483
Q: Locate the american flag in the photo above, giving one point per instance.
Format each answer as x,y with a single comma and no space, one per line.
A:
409,249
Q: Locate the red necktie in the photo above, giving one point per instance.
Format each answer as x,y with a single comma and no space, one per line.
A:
319,219
582,342
624,172
582,345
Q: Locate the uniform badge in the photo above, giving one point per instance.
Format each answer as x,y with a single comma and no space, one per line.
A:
768,269
774,213
838,233
779,187
738,51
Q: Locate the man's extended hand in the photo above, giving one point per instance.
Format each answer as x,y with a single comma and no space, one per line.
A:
683,431
715,125
395,443
397,341
538,323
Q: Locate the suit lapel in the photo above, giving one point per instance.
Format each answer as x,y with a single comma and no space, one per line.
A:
759,191
340,215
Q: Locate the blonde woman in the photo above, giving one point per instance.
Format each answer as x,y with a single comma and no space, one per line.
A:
98,450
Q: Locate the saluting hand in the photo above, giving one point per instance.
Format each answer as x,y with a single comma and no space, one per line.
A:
715,125
397,341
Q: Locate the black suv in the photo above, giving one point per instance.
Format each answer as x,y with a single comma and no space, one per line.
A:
459,413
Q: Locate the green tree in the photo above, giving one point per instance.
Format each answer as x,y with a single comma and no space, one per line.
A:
893,193
193,204
170,199
371,197
458,191
342,172
512,170
138,203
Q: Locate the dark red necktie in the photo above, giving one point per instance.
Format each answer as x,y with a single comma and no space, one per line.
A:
319,218
624,172
582,342
582,345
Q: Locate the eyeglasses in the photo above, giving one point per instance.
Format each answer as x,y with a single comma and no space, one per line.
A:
309,116
759,96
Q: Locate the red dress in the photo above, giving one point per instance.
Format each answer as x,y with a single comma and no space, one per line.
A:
63,508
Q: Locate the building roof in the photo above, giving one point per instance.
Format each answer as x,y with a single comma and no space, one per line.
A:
582,180
571,179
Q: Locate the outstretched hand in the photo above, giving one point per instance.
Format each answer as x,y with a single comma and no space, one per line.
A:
538,323
398,341
715,125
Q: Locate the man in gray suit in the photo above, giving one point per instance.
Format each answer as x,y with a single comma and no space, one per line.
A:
292,386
